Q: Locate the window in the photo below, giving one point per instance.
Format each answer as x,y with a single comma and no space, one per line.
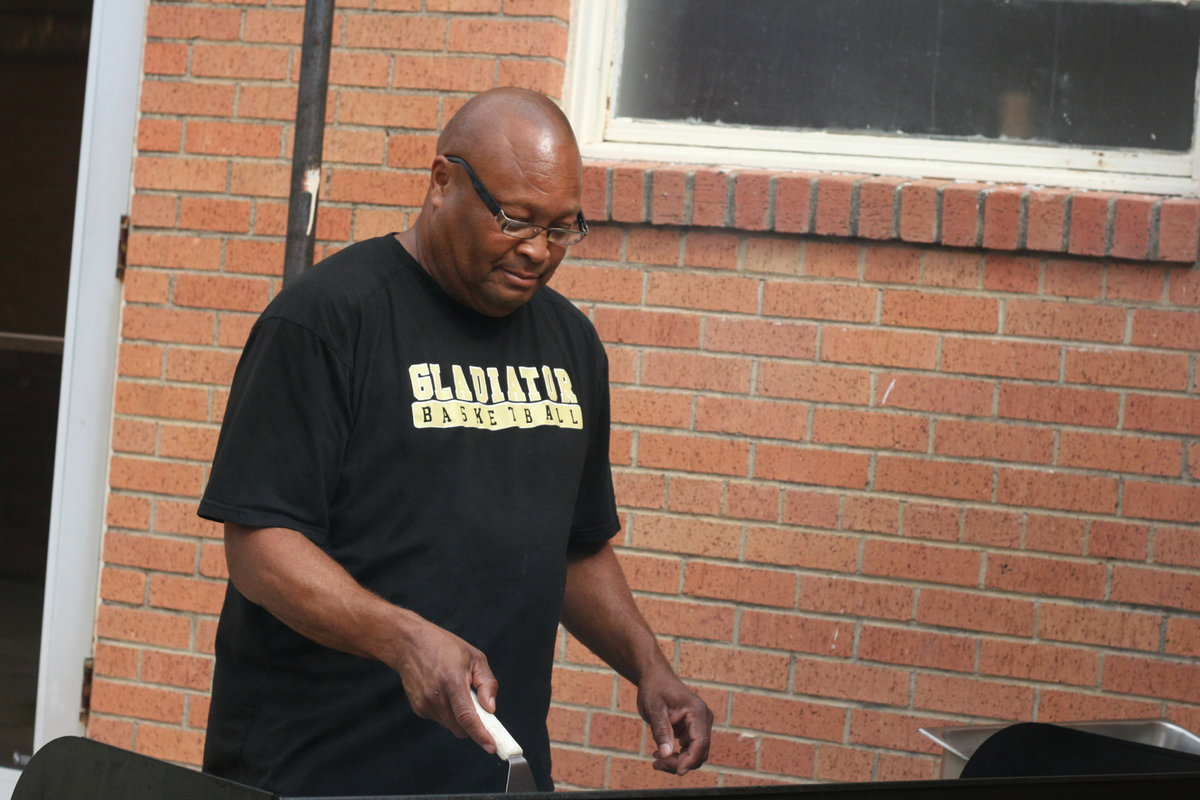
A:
1082,93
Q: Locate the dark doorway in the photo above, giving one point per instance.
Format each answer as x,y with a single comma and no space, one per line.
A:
43,71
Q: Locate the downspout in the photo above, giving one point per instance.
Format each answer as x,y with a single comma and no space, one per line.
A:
309,133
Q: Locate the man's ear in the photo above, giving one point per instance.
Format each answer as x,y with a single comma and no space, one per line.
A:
439,180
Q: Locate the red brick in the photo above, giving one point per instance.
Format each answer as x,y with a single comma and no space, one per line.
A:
795,633
1137,369
694,454
871,514
148,627
659,409
181,174
152,211
760,337
677,534
738,667
1039,662
128,512
890,264
916,648
122,586
382,187
773,255
921,562
157,400
1144,282
712,250
181,252
851,681
710,198
928,393
1066,706
1046,226
1064,321
1122,540
877,201
1105,627
857,598
976,612
708,292
961,206
1055,534
117,662
188,99
668,198
1114,453
975,696
151,553
629,194
220,292
835,202
172,516
812,466
1178,330
879,347
186,594
208,214
984,440
1002,218
1003,273
1132,216
163,135
819,301
177,22
752,501
133,436
936,522
578,768
689,619
1052,404
388,109
542,39
1170,502
941,312
870,429
657,328
650,573
235,61
615,732
1179,546
787,757
919,210
893,767
1074,278
1155,679
1157,587
787,716
766,587
177,669
148,475
791,547
1183,637
793,193
1046,576
1048,489
752,200
758,418
276,27
811,509
141,702
686,370
171,744
1090,214
947,479
952,269
1179,229
831,260
1163,414
371,70
844,764
270,102
1023,360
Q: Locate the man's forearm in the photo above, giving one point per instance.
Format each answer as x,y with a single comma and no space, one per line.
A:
599,610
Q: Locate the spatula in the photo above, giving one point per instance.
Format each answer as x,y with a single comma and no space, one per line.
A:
520,777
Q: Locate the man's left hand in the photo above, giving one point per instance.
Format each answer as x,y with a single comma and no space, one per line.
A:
674,712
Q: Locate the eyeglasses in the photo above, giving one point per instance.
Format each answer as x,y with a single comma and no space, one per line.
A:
518,228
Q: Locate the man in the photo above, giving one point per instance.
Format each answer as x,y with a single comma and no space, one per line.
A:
413,477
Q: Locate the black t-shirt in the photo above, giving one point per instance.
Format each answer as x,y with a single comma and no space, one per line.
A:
447,460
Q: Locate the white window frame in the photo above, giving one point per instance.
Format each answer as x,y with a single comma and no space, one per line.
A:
593,63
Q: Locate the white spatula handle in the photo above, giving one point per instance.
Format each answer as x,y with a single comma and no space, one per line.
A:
506,745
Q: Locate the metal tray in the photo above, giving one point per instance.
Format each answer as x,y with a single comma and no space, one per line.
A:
960,742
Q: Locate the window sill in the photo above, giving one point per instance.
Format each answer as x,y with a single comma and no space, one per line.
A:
982,215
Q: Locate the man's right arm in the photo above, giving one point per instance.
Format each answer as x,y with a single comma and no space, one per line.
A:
287,574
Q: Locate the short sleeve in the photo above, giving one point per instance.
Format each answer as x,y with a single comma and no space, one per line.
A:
283,437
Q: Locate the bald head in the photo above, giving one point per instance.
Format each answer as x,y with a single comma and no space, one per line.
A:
508,113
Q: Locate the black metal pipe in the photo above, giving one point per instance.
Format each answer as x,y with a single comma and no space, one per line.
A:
308,137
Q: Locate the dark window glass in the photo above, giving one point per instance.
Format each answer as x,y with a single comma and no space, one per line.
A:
1093,74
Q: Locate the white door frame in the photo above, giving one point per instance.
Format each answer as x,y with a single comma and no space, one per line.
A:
110,111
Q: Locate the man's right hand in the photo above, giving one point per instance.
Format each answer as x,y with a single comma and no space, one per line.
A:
438,670
285,573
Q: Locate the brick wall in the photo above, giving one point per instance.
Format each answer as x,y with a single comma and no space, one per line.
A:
888,453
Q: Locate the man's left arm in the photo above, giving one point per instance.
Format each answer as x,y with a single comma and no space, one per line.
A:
599,610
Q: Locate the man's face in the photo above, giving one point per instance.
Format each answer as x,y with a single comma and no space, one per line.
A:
477,263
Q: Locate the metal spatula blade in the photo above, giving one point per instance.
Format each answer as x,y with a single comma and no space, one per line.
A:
520,776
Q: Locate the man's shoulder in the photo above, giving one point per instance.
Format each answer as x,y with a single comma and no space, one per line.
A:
554,303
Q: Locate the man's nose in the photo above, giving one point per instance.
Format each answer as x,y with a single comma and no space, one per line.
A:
536,248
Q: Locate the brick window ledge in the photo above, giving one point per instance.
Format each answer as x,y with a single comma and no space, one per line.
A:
993,216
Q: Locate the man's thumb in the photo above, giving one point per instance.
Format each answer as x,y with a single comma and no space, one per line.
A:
663,735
